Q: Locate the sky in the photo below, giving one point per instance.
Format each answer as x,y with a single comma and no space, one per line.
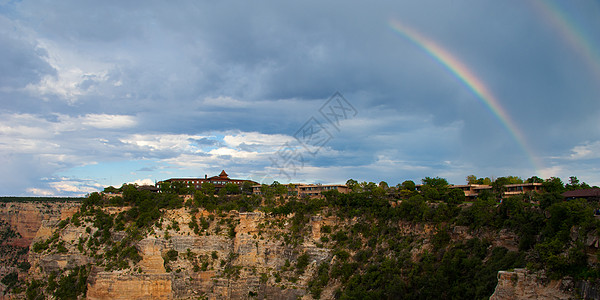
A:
99,93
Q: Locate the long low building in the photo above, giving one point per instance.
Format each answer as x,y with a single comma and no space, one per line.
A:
472,190
592,194
315,190
218,181
307,190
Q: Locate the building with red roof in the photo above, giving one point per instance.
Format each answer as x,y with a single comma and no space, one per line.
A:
218,181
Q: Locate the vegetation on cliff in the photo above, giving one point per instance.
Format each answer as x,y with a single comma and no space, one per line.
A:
380,242
5,199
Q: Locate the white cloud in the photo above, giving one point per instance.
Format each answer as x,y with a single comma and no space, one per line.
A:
75,187
586,151
237,138
145,181
66,186
40,192
76,75
245,79
224,101
108,121
164,142
552,171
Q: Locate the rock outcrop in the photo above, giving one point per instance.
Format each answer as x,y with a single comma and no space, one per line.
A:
26,217
524,284
20,224
237,256
115,285
227,255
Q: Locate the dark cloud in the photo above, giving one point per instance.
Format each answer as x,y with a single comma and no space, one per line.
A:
189,74
22,62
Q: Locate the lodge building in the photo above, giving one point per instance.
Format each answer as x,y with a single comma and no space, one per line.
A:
307,190
296,189
218,181
314,190
472,190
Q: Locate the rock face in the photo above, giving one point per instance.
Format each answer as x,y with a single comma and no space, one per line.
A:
152,261
237,255
107,285
227,255
589,289
20,224
523,284
27,217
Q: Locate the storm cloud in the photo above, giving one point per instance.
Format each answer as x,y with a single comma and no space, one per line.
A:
98,94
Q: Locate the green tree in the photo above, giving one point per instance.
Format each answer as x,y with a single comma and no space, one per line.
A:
534,179
514,179
406,189
182,188
93,199
302,263
232,188
413,209
434,188
472,179
247,187
553,185
456,196
441,184
485,195
486,181
292,190
111,189
208,188
499,186
130,193
430,193
574,184
409,185
384,185
353,185
279,189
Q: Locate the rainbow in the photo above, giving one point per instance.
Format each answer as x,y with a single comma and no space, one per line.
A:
570,33
472,82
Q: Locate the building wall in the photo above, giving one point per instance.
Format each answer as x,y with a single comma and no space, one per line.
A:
472,190
308,190
219,181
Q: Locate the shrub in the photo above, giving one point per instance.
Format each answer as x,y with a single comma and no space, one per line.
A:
11,279
171,255
302,262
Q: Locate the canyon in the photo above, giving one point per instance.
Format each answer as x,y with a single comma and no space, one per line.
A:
230,255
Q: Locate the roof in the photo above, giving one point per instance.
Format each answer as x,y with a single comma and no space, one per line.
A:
148,188
223,176
525,184
181,179
595,192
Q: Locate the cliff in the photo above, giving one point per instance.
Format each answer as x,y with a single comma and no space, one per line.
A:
524,284
155,247
20,224
26,218
233,255
217,264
